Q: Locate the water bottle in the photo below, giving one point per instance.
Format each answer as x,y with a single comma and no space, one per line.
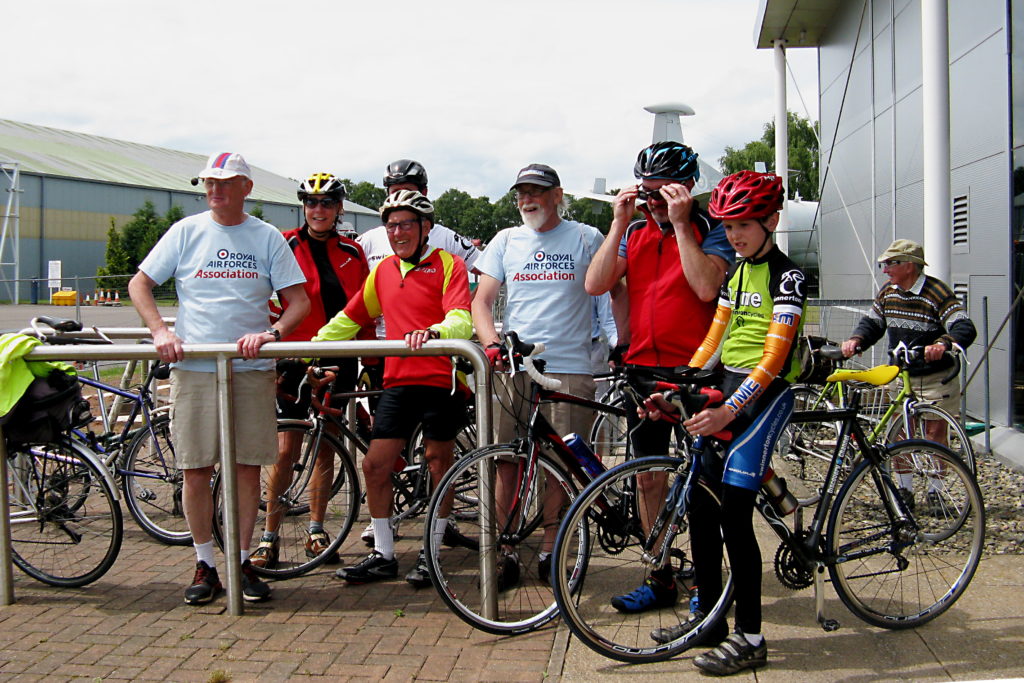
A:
590,462
778,493
694,603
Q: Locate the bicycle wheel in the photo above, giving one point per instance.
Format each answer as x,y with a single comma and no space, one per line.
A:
152,484
604,524
804,450
527,603
66,524
956,438
900,573
321,474
413,486
609,434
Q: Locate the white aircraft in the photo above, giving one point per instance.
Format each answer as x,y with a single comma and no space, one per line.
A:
666,127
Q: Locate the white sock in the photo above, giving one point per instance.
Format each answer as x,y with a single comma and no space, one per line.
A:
754,639
906,481
383,537
245,554
440,524
204,553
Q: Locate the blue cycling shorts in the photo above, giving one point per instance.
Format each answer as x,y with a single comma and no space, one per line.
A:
750,452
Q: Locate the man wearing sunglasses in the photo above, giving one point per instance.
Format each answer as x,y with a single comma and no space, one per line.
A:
918,310
674,260
335,268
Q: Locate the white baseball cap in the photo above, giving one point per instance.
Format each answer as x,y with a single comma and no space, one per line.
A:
226,165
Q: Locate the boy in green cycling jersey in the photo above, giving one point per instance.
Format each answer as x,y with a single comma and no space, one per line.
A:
757,321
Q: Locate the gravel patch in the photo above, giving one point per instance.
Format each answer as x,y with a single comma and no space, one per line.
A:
1003,490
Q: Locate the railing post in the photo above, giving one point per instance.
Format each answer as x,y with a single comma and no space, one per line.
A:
229,485
6,571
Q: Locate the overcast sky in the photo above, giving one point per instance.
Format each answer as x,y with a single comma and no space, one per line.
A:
473,90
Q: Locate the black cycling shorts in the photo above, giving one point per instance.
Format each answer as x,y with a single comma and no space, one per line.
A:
402,408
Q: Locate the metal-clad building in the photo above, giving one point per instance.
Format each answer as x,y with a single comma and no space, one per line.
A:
872,108
72,184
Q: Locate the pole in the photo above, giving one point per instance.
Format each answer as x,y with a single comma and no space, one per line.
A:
6,571
782,143
988,388
228,476
935,125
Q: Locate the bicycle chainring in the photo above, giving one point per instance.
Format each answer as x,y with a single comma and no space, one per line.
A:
790,569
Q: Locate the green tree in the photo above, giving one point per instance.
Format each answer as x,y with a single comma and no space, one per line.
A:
469,216
257,211
590,211
128,246
117,259
803,155
365,193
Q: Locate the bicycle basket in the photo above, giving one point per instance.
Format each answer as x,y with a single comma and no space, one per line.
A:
814,369
49,407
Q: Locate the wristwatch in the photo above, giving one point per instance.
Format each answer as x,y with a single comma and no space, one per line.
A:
274,331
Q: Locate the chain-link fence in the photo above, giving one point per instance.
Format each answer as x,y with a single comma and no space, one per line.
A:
93,290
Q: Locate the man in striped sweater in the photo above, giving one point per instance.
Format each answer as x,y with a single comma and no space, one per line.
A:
918,310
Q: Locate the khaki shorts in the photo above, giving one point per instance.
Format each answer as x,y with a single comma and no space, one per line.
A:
565,418
930,388
194,428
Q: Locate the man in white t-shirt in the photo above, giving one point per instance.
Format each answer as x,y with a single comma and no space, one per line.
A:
226,264
543,264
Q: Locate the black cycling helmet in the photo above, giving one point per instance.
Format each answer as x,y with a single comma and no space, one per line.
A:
667,160
322,184
406,171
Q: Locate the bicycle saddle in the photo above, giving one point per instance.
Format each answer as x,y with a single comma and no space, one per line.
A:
878,375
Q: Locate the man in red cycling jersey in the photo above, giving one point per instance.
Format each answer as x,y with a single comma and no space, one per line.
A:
335,269
424,293
674,260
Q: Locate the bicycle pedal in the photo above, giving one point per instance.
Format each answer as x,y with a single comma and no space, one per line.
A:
829,625
146,494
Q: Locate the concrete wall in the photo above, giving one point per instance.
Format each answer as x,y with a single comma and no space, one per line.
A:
871,107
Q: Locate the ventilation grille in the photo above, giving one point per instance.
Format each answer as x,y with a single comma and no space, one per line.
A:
960,290
961,221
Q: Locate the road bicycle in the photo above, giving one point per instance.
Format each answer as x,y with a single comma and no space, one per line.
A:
139,452
805,449
527,472
896,558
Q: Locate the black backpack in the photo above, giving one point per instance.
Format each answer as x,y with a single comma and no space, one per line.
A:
50,406
813,367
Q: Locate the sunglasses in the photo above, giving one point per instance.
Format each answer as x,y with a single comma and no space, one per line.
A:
890,262
532,192
645,195
326,202
403,226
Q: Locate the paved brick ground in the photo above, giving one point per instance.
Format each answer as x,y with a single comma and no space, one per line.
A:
133,625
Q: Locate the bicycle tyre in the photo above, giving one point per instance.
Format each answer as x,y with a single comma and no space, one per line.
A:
455,572
66,524
413,487
152,485
956,437
609,434
804,450
901,574
614,565
342,506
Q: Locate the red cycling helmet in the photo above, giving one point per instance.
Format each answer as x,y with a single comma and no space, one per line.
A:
746,194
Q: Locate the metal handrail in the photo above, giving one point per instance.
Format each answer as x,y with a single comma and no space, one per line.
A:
223,354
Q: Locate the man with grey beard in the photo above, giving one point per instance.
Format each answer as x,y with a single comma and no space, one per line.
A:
543,264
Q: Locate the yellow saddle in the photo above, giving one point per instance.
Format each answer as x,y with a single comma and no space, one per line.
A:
878,375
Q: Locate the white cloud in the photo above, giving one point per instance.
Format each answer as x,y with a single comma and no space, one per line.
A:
474,90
